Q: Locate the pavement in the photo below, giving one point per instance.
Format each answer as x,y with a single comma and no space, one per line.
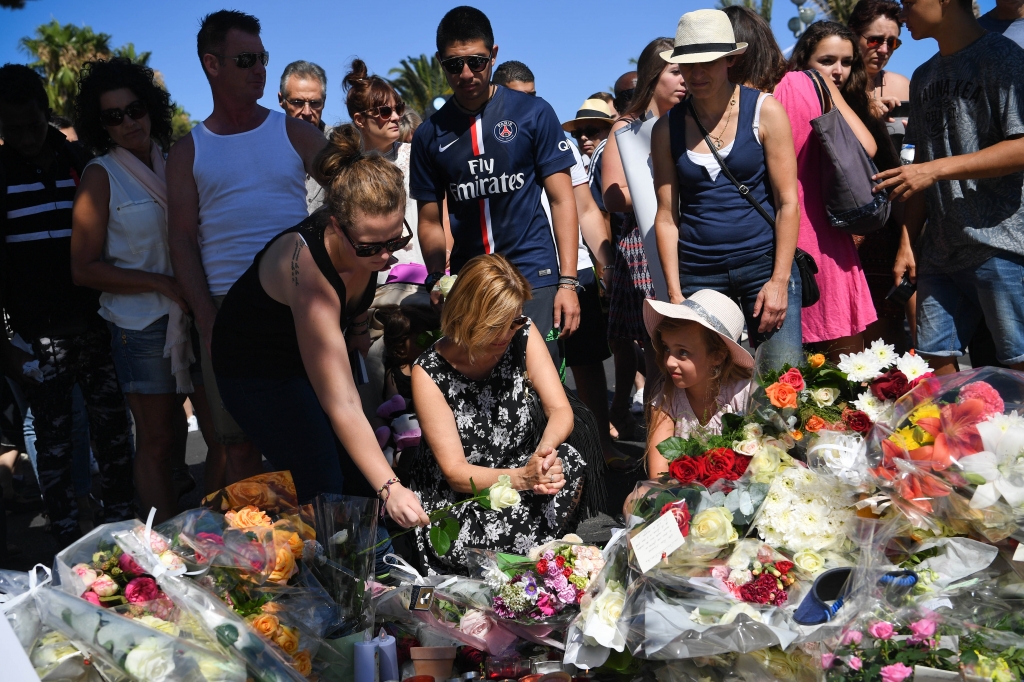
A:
36,545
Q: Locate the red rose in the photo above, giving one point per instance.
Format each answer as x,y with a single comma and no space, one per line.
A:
891,385
718,463
784,567
560,561
794,378
682,514
542,566
857,421
740,465
924,377
566,571
686,469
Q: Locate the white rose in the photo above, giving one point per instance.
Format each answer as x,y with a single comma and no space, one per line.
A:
502,495
810,561
475,624
765,464
752,431
160,624
713,527
748,447
445,284
215,670
823,397
607,606
744,608
150,660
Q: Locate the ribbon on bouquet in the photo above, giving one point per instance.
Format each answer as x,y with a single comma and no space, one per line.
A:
159,568
841,454
34,585
878,503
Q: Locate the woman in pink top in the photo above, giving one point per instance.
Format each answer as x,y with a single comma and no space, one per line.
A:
837,321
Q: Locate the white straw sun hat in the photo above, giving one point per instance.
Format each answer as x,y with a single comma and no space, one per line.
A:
703,36
708,308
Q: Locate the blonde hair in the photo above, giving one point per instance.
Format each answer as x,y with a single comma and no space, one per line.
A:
488,294
725,372
358,180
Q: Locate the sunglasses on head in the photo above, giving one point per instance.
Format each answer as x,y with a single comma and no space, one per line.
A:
301,103
589,132
384,112
114,117
247,60
876,41
368,249
454,65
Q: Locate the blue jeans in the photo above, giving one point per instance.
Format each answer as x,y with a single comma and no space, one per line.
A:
742,284
949,307
82,460
283,418
139,359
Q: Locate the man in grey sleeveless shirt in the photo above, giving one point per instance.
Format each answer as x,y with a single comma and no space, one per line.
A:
235,182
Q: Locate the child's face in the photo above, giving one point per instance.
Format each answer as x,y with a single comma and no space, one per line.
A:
687,360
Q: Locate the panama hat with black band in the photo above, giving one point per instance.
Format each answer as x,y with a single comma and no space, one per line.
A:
708,308
591,111
703,36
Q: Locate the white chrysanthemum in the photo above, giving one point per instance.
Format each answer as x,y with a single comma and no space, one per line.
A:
870,405
860,366
913,366
885,353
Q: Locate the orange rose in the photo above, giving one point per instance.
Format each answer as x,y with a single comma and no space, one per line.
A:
815,424
290,540
781,395
816,360
288,639
265,624
797,435
251,492
303,665
285,567
247,517
295,522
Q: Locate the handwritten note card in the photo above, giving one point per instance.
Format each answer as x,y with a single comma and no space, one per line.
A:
658,540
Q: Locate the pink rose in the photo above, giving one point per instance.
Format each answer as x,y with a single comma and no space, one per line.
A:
854,663
897,672
475,624
129,566
720,573
880,630
141,589
104,586
91,597
853,637
794,378
922,629
85,572
827,660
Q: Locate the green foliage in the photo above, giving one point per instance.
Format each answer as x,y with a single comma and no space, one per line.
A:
764,9
835,10
675,447
420,80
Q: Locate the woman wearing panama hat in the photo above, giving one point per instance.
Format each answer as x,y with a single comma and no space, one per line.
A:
707,230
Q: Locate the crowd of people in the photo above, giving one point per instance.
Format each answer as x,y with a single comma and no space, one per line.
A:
293,280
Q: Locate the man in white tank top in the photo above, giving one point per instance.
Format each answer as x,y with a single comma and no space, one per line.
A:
233,183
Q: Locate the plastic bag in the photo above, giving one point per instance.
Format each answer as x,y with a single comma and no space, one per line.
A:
18,606
203,538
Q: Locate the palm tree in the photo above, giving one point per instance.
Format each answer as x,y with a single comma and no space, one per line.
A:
60,52
420,80
836,10
764,9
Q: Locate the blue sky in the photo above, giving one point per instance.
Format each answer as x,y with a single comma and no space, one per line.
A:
574,49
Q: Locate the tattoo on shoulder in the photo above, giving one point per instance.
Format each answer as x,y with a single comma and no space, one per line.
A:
299,246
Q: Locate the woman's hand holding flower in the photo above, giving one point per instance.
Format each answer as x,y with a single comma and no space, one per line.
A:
404,507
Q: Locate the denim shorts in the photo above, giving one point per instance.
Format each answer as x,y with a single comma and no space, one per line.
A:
140,362
949,307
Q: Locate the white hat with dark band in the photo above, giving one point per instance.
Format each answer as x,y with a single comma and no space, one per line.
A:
703,36
708,308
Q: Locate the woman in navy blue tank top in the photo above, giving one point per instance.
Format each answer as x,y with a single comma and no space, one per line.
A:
707,231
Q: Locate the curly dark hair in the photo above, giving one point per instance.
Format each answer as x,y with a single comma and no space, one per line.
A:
103,76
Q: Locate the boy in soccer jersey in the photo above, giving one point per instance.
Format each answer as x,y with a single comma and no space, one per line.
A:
490,151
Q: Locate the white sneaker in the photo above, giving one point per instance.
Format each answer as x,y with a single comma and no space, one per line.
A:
193,424
638,402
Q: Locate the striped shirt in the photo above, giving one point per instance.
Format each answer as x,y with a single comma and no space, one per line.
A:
35,244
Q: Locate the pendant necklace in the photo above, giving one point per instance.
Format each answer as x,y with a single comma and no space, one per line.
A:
717,139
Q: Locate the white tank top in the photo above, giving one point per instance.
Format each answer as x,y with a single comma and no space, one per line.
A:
136,240
252,186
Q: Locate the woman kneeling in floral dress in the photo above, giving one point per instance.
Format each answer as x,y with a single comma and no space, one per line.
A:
473,392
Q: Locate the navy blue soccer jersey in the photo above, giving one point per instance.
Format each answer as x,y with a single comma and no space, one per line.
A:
491,166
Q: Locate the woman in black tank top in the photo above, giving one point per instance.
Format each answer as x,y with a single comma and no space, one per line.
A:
283,340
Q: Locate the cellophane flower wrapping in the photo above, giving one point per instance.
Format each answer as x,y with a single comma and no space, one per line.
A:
764,665
18,607
142,652
951,457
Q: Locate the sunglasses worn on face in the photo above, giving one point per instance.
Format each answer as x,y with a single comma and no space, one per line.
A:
368,249
384,112
589,132
114,117
247,60
454,65
874,42
519,322
301,103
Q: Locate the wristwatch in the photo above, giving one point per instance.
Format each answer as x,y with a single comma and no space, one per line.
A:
432,279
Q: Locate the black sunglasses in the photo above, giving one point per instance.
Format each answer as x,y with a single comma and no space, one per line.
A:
519,321
114,117
454,65
247,60
368,249
384,111
301,103
590,132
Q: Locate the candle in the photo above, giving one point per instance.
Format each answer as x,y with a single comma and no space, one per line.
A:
388,657
365,667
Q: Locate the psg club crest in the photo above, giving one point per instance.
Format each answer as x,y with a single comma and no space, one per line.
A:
505,131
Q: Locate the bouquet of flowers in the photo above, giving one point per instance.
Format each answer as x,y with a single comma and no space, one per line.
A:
879,377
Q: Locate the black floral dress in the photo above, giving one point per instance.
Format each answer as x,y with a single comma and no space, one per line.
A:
494,423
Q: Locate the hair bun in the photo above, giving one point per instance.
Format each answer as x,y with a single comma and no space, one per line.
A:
356,75
344,148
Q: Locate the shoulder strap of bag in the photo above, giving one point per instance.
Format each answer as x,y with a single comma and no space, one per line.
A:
821,88
743,189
